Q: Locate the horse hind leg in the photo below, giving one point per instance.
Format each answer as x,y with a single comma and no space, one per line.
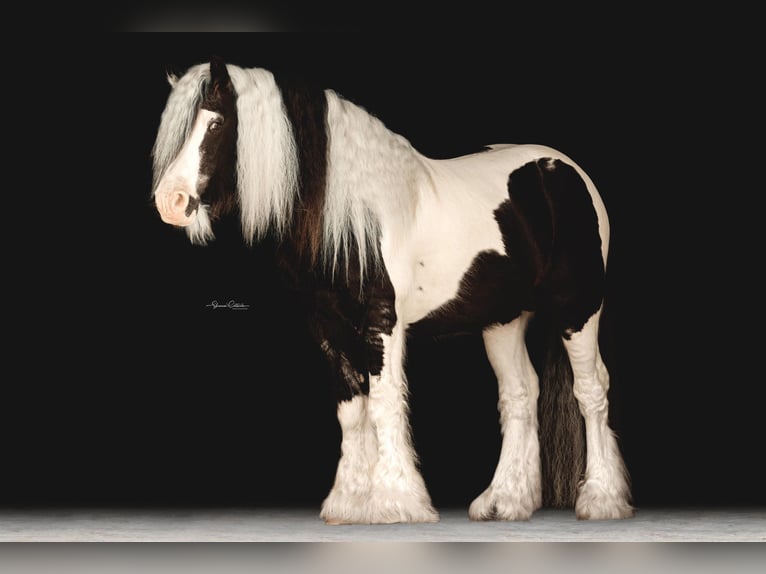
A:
515,491
604,493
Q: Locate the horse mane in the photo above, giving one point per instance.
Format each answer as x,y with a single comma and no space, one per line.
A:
267,163
271,177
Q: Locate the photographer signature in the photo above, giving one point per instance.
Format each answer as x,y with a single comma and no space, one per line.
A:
231,304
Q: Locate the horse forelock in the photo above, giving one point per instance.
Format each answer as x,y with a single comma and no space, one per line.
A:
177,119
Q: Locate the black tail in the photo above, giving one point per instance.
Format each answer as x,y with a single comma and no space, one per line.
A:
561,426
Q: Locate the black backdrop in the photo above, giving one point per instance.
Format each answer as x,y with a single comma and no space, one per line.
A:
124,389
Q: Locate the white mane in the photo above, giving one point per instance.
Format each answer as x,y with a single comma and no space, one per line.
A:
369,169
267,163
372,173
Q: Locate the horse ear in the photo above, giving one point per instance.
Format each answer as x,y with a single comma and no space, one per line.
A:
171,77
220,81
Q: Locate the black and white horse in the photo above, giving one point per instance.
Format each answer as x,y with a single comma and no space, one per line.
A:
382,242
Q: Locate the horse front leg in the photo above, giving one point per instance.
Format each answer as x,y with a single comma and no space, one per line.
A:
398,492
347,501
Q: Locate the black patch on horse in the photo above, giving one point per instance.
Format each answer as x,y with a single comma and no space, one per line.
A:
562,246
218,150
346,318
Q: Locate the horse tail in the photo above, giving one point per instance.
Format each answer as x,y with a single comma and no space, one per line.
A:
561,427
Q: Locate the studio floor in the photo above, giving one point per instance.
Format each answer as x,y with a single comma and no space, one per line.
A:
304,525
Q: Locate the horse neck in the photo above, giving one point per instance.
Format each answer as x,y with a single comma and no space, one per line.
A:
370,165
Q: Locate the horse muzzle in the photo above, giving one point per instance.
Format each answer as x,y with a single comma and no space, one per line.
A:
177,207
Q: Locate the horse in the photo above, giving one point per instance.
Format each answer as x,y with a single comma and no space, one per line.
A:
383,243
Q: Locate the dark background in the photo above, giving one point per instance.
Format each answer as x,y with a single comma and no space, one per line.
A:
122,388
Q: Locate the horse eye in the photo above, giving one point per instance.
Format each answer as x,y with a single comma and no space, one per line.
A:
214,125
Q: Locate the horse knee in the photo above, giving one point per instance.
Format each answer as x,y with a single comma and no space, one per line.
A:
590,394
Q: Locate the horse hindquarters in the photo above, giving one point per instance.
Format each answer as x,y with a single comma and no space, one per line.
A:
572,289
553,226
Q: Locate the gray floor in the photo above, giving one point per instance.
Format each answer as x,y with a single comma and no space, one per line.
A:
232,525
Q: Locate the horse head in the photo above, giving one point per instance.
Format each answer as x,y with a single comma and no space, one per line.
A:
198,183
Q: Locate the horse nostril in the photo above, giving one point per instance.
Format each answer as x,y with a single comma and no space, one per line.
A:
192,207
